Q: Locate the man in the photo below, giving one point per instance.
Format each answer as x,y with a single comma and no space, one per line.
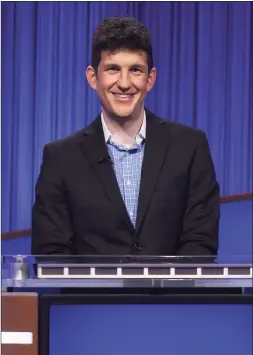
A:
130,183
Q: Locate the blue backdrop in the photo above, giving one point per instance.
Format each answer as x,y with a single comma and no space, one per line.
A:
202,52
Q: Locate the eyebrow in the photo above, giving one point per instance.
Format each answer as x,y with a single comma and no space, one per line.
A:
140,66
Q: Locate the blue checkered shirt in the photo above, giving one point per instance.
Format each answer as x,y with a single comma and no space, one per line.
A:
127,163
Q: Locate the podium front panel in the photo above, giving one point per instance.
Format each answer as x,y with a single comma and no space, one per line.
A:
19,324
146,324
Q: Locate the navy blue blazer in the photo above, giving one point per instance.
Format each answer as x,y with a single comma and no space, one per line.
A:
79,209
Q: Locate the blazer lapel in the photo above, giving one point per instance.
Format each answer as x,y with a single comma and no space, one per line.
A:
95,150
156,144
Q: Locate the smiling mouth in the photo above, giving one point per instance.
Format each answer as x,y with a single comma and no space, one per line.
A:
123,97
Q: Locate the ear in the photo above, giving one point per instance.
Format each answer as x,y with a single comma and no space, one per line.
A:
151,79
91,77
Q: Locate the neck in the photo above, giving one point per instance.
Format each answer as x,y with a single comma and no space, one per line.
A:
124,130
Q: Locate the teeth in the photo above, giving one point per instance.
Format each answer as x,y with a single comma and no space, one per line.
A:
123,96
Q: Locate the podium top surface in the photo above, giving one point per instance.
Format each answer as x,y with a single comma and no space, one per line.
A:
126,271
140,259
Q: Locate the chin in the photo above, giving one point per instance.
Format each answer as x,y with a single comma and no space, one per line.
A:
125,110
122,113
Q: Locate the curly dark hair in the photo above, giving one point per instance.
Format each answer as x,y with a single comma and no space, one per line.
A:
121,32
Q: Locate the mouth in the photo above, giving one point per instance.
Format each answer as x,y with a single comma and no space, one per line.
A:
124,97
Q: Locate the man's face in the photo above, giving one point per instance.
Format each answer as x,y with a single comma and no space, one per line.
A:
122,82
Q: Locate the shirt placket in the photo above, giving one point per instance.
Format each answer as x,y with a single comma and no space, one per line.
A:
129,187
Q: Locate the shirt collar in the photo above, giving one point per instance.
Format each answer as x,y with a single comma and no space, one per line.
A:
139,137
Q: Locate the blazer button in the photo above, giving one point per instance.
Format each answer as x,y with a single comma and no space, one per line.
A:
138,247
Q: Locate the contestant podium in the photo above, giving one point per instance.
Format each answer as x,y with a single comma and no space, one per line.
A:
123,280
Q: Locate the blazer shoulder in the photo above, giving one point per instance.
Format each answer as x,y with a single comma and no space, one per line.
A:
65,142
181,129
177,128
187,135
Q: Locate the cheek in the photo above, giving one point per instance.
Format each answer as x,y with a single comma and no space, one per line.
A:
106,81
104,87
101,88
141,84
104,96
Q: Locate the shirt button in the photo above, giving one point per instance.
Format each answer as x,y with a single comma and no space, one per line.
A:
138,247
128,182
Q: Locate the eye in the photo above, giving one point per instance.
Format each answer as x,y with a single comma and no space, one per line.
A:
112,69
136,70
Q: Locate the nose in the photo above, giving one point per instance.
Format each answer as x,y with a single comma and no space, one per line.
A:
124,81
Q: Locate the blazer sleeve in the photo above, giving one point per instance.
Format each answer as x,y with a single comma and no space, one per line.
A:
202,214
52,231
